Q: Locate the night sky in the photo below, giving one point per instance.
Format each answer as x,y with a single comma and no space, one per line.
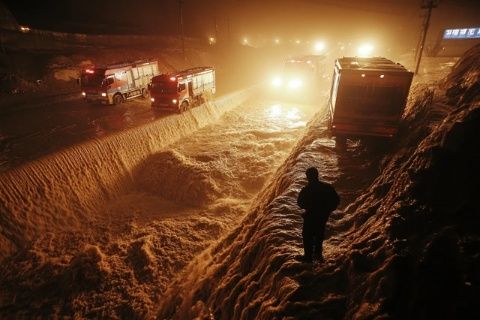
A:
380,19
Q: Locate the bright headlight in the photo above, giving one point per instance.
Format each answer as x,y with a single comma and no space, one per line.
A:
174,101
277,82
104,94
152,99
295,83
84,94
365,50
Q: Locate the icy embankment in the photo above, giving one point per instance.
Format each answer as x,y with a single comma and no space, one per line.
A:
407,247
62,191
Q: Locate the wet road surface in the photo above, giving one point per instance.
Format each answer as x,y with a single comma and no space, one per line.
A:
35,132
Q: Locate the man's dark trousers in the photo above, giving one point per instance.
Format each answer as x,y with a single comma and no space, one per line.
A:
313,234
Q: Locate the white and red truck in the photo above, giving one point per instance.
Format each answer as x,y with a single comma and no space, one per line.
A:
116,83
182,90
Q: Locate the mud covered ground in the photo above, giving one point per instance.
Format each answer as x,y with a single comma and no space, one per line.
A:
406,246
209,226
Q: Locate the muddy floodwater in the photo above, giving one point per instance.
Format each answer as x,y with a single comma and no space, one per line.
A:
182,199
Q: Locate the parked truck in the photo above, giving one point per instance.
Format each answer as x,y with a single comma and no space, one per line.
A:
368,96
116,83
182,90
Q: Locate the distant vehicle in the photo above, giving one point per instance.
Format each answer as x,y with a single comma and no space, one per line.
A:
116,83
300,76
182,90
368,96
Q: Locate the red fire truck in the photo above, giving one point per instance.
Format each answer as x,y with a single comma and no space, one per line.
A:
116,83
180,91
368,96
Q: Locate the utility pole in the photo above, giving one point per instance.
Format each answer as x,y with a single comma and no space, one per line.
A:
428,4
180,6
215,23
229,37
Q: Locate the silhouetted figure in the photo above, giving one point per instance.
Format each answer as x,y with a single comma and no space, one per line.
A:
318,199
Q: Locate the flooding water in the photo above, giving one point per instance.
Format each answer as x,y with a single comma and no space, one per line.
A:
119,260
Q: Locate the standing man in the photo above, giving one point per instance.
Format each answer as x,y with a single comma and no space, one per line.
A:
318,199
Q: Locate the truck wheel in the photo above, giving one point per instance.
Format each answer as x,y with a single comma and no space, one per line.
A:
184,106
340,141
117,99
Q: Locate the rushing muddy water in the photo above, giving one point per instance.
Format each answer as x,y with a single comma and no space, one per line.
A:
116,258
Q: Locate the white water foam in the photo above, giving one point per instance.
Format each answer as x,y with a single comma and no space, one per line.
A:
62,191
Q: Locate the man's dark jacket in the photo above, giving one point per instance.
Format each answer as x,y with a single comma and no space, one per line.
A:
318,199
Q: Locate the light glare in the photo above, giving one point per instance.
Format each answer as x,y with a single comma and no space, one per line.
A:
365,50
319,46
277,82
295,83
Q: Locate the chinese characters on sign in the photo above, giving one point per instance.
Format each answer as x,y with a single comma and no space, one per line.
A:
463,33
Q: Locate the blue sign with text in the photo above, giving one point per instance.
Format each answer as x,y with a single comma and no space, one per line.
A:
462,33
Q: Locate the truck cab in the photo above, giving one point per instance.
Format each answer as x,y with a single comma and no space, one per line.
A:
180,91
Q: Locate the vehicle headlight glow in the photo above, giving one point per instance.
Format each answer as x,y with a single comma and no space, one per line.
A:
104,94
295,83
152,99
84,93
365,50
174,101
277,82
319,46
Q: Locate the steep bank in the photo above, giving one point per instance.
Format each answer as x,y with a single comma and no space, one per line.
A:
407,247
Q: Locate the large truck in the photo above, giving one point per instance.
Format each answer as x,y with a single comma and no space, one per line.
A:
368,96
182,90
113,84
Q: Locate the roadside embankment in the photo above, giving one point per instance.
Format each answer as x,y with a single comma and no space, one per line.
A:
62,191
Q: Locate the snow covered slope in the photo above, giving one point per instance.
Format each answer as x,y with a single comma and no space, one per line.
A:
407,247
